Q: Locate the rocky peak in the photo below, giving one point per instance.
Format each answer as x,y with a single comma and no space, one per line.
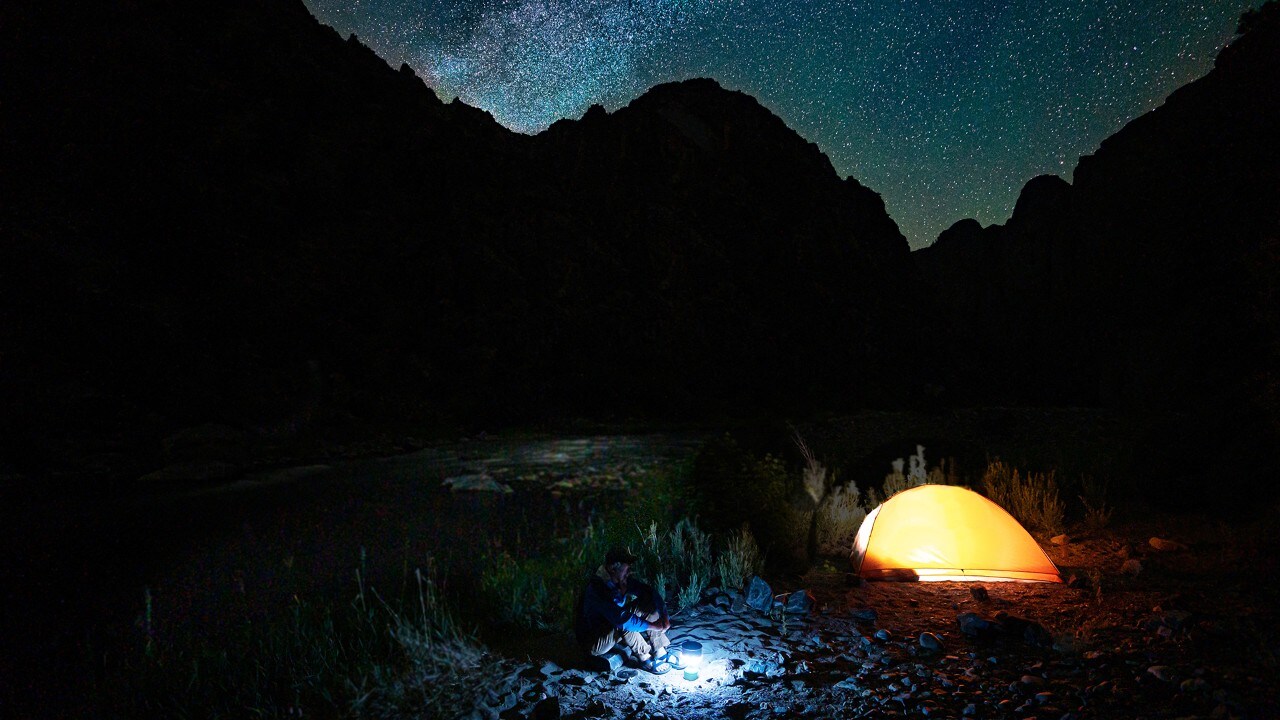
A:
295,225
963,233
1145,284
1042,196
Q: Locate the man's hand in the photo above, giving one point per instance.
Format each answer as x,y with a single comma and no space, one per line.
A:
662,624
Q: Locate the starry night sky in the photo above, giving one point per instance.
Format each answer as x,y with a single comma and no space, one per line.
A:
945,107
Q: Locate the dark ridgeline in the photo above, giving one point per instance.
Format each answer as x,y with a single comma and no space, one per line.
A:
713,258
224,211
1152,283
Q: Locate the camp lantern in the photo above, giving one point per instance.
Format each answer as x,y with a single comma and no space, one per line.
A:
945,532
691,658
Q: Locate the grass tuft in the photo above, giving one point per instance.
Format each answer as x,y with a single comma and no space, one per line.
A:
813,477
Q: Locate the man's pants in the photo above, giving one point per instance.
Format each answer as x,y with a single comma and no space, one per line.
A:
643,649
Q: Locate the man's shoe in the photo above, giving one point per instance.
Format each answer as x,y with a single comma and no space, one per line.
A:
672,659
656,666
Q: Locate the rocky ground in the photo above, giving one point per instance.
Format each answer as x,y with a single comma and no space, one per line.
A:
1140,632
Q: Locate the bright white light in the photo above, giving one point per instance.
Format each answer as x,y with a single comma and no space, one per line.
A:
714,672
691,658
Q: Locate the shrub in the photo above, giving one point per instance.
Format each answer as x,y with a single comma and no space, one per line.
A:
917,475
516,592
737,488
740,560
1031,498
895,482
945,473
690,550
872,500
838,520
537,587
1097,513
759,492
662,495
679,558
691,592
539,591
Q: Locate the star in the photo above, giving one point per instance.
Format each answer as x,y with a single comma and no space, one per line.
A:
946,109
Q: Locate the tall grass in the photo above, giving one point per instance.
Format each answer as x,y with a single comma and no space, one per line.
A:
447,668
315,658
1031,498
517,591
537,587
813,477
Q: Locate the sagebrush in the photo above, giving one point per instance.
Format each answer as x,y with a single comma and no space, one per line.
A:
838,520
739,560
678,560
1031,498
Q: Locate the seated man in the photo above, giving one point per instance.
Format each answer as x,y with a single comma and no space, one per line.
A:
618,608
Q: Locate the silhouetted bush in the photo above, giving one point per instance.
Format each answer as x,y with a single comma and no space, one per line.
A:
737,488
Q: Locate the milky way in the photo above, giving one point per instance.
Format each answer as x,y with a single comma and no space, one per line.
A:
945,107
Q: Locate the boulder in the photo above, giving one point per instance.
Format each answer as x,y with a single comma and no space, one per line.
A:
769,667
930,642
759,594
799,602
866,615
1164,545
1029,631
974,626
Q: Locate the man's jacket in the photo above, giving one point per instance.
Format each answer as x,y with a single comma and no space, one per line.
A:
604,607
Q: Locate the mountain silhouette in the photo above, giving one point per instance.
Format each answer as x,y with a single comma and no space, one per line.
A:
224,211
1150,282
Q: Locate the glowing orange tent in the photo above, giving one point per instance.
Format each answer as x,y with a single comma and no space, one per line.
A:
945,532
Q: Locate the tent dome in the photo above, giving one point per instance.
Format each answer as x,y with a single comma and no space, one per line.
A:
945,532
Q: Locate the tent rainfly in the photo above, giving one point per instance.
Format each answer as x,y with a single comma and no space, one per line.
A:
945,532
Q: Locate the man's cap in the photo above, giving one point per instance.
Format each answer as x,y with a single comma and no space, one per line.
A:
619,554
